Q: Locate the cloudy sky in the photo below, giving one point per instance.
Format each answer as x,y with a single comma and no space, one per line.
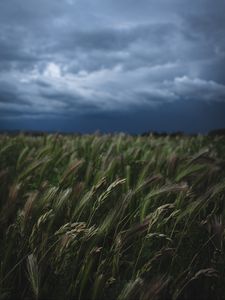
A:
112,65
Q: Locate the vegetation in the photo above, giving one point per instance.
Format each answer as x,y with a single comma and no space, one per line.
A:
112,217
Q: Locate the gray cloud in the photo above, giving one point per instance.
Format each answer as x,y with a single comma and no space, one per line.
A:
86,56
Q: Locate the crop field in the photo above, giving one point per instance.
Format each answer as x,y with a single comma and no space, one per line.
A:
116,217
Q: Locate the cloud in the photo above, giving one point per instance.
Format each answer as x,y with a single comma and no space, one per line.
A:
88,57
196,88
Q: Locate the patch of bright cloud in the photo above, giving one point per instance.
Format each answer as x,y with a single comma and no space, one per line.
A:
52,70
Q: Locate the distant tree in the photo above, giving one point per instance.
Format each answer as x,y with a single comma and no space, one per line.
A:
220,131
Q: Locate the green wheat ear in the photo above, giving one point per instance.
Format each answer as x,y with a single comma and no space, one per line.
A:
33,275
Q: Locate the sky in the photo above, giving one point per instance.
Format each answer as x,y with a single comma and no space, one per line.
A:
112,65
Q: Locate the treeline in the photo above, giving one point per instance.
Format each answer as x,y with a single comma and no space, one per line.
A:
215,132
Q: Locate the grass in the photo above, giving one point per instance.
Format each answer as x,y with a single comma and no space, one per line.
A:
112,217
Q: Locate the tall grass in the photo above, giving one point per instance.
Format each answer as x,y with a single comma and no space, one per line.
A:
112,217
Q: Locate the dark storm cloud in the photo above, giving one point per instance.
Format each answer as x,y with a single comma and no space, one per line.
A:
103,57
71,103
116,39
9,95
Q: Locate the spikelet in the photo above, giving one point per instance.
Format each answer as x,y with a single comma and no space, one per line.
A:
33,275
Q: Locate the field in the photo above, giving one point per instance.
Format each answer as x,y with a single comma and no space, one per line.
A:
112,217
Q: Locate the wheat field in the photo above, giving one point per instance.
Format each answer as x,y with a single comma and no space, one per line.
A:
97,217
